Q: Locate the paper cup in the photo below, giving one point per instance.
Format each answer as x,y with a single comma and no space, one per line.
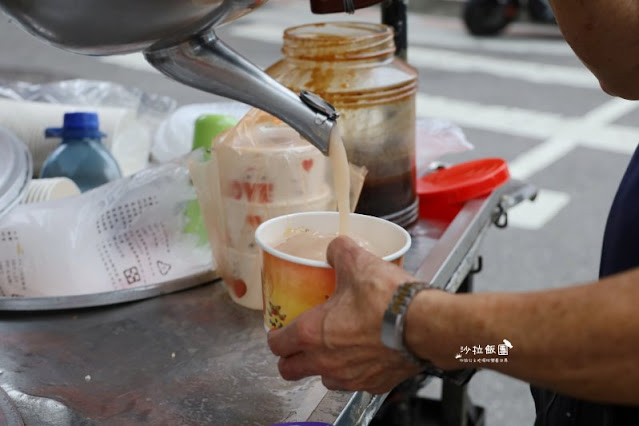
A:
291,284
49,189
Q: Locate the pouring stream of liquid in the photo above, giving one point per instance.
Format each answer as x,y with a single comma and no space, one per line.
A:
341,179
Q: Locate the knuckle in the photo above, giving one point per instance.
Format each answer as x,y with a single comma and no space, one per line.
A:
326,366
307,333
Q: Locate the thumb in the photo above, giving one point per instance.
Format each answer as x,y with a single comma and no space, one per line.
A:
344,255
339,250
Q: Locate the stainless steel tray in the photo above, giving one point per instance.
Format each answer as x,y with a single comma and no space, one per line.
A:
104,298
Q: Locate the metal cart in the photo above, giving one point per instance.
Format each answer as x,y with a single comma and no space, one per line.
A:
194,357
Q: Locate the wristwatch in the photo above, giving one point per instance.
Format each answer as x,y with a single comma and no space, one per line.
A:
393,332
395,317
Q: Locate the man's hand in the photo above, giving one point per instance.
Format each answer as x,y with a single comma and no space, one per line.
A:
340,340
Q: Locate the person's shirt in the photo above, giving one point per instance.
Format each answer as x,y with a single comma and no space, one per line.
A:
619,253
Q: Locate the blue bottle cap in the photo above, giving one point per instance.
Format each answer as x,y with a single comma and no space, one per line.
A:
77,125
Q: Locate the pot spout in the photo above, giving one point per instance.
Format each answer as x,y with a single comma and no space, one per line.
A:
206,63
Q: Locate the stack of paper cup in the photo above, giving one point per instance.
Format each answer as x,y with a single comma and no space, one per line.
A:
49,189
257,184
279,174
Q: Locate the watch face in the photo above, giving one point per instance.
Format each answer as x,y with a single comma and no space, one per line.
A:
389,338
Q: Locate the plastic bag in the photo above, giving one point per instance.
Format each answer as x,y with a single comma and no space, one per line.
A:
128,116
435,138
174,135
127,233
149,108
258,170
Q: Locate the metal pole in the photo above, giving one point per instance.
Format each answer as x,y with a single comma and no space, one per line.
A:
394,15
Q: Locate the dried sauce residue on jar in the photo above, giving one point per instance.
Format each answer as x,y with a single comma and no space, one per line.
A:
352,66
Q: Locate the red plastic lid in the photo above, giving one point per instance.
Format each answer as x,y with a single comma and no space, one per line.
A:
462,182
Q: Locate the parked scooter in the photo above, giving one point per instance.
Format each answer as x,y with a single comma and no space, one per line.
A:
490,17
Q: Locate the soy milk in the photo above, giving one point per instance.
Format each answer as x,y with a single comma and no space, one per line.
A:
312,245
341,179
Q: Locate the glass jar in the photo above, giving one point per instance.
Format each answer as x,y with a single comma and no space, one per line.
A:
352,65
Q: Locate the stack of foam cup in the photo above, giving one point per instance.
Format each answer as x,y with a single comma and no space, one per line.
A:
40,190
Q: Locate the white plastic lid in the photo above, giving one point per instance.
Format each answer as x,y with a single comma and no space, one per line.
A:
16,168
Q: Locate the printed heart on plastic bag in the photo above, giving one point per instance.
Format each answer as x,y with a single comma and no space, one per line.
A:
307,164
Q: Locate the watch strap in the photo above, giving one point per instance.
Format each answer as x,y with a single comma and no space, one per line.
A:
395,314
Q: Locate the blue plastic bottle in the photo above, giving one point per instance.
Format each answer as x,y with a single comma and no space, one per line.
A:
81,155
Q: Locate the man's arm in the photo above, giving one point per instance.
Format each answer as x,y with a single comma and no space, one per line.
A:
582,341
605,36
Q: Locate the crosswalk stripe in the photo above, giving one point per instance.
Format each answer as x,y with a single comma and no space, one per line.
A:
549,203
529,72
259,32
578,132
540,157
612,110
495,118
423,30
528,123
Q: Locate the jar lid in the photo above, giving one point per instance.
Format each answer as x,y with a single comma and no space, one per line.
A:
16,168
445,190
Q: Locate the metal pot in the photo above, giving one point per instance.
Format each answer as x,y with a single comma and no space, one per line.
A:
177,37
